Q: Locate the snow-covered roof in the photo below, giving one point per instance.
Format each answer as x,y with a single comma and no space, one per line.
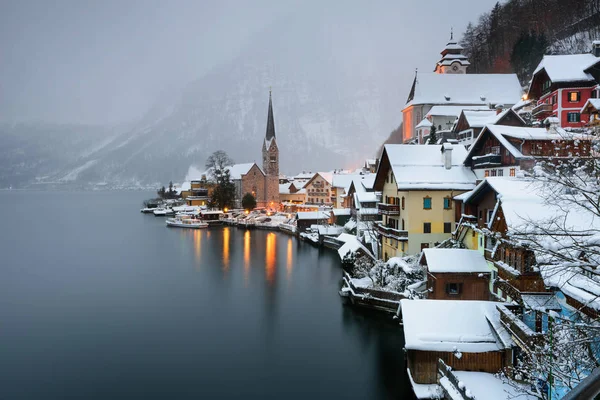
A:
468,89
455,261
327,176
540,301
425,123
490,387
572,282
479,118
343,180
591,102
352,245
340,211
284,188
453,111
366,197
312,215
236,171
450,325
568,67
422,167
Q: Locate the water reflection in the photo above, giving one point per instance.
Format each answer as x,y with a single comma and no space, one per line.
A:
246,257
270,257
226,248
290,258
197,246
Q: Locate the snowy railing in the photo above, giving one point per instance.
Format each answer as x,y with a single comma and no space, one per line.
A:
446,372
391,232
541,109
521,333
388,209
332,242
488,159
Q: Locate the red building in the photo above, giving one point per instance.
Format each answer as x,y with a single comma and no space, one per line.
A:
562,84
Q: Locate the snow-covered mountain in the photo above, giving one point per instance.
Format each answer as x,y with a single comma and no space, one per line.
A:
333,107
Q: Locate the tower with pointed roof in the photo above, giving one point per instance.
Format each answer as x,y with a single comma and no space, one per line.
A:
453,60
270,155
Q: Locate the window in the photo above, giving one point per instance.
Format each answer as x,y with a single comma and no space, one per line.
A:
447,227
426,227
490,213
487,173
447,203
546,85
453,288
495,150
573,117
424,246
427,203
493,172
594,94
536,149
500,172
574,97
403,224
512,171
403,202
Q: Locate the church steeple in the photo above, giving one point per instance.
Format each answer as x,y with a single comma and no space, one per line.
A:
270,121
453,60
270,152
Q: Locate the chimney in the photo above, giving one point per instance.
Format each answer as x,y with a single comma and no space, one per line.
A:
499,108
447,155
596,48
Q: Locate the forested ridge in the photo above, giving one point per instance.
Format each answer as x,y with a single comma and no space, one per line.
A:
515,34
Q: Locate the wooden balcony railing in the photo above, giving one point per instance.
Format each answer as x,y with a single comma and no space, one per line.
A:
388,209
526,338
390,232
487,160
541,110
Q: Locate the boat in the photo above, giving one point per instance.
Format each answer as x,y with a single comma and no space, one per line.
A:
213,217
186,222
163,212
147,210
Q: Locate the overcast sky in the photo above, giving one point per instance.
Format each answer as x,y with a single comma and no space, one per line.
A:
108,61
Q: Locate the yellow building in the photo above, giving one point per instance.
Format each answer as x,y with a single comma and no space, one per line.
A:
418,184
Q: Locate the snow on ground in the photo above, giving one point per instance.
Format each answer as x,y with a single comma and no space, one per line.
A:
422,391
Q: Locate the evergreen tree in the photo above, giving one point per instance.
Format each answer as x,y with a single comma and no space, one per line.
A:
248,202
432,135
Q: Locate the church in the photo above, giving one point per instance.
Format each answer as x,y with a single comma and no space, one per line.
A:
263,183
441,95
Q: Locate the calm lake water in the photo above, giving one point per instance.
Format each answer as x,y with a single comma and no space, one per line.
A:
99,301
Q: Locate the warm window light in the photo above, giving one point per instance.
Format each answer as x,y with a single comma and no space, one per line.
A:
225,209
524,97
247,212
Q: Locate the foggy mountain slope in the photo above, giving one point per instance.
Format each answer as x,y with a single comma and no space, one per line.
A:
333,108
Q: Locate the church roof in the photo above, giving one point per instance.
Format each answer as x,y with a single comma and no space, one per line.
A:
467,89
270,123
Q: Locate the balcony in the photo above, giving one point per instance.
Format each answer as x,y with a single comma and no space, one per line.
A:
542,110
489,160
523,336
388,209
391,232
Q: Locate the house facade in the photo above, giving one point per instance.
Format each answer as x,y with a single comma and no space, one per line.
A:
417,185
502,150
562,84
319,190
471,122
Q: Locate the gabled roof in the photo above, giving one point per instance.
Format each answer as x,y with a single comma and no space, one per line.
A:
568,67
313,215
425,123
327,176
502,132
236,171
467,89
451,325
454,261
591,105
421,167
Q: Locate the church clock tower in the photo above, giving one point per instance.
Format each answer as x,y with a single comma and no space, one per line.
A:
453,60
270,155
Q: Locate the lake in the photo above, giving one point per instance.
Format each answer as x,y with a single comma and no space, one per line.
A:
99,301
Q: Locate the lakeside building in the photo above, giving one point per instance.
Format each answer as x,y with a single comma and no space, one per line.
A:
470,123
450,86
456,274
562,84
417,185
318,189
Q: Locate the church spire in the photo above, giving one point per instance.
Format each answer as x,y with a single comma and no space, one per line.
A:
270,121
451,34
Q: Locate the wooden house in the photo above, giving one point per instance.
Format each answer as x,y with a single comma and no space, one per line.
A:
304,219
456,274
503,150
466,335
471,122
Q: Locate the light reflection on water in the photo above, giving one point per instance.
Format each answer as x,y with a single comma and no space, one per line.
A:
246,257
290,258
270,257
226,249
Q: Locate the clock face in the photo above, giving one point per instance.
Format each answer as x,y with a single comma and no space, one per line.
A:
455,68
